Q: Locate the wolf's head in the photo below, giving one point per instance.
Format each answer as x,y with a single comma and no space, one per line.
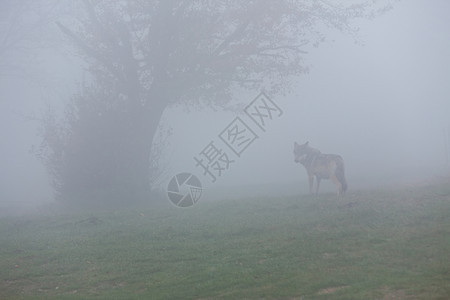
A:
300,151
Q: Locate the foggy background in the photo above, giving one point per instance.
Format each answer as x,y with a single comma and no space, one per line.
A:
382,104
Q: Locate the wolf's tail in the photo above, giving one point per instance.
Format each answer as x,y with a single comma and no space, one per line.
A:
340,174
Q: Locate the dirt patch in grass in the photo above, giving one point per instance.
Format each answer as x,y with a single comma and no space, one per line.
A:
331,290
395,295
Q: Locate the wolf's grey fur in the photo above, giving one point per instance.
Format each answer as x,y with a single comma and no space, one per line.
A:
323,166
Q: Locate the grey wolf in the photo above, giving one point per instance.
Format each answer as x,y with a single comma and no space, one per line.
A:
322,166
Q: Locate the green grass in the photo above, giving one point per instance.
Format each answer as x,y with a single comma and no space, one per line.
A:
374,244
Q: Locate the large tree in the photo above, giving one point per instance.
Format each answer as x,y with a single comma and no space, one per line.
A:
144,56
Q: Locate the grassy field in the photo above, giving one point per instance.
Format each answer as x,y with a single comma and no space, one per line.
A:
371,244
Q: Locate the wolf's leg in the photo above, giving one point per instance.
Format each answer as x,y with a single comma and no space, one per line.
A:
317,184
337,183
311,183
340,174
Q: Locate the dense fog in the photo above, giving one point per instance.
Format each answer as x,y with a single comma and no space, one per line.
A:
379,98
